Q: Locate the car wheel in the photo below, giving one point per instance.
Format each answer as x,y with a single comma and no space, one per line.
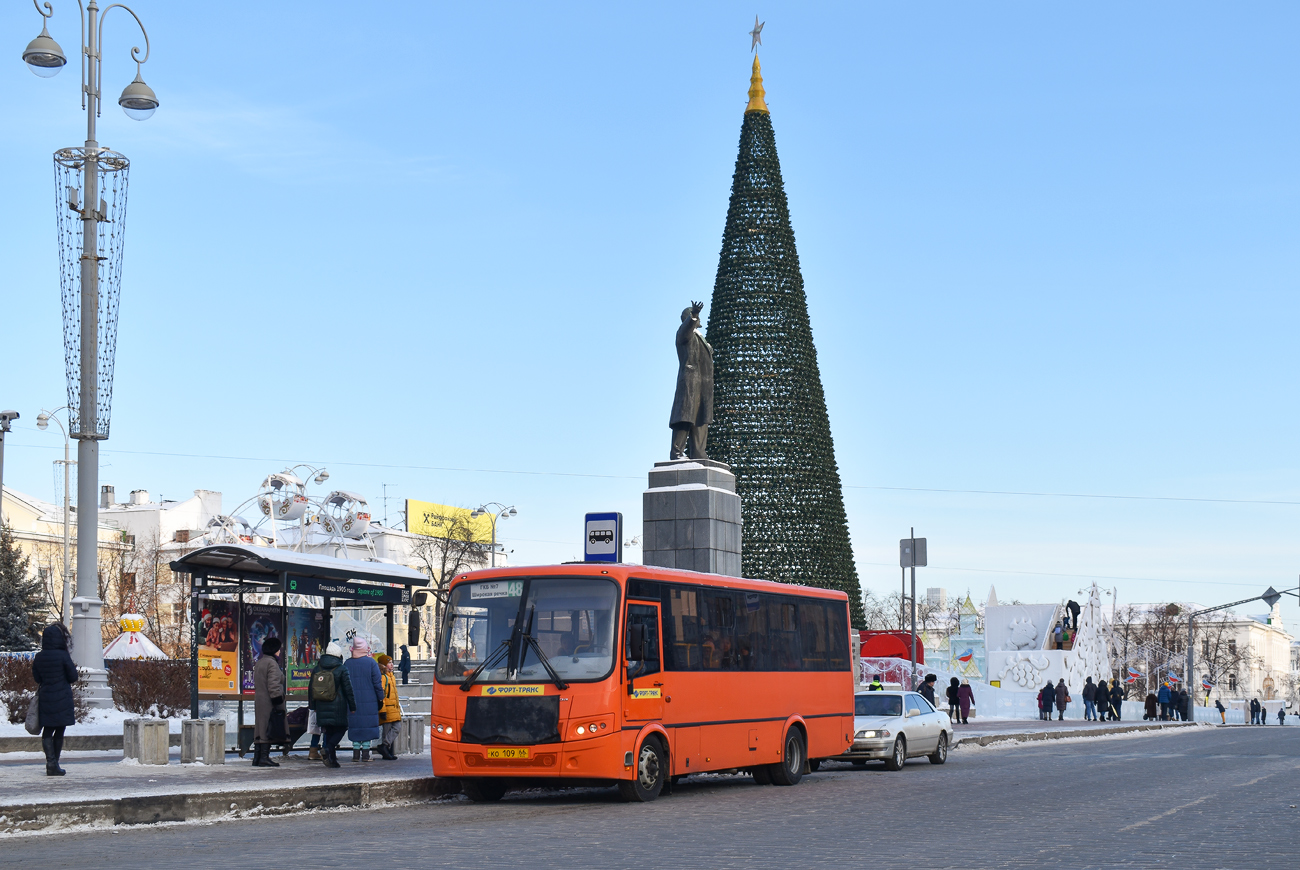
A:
651,768
898,756
485,790
789,770
940,754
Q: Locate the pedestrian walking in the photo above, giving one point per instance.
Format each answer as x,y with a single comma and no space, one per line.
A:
1116,700
54,673
1163,699
404,665
1103,699
1046,701
1057,633
965,700
368,690
951,692
1149,712
1223,711
1062,700
927,689
330,695
1281,715
1089,700
1254,711
1185,705
268,704
1073,608
390,712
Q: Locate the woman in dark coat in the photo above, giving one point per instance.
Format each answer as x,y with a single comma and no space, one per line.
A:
332,716
1047,700
368,690
404,665
1151,705
953,685
54,673
1062,699
1102,699
1116,700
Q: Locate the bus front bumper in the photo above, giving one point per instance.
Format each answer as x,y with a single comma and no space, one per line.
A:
595,757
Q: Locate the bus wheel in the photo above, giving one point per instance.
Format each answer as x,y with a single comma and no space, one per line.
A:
651,768
898,756
485,790
789,770
761,774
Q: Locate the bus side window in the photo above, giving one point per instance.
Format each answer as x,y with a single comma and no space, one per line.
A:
682,631
644,615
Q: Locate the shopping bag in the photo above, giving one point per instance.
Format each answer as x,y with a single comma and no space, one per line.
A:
312,727
33,721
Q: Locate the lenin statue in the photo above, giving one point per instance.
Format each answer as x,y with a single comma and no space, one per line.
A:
693,402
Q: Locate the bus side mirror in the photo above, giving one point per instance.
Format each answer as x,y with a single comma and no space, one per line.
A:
413,628
638,638
420,599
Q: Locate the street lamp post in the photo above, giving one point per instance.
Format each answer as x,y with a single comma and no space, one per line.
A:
6,418
499,511
43,423
1270,597
89,385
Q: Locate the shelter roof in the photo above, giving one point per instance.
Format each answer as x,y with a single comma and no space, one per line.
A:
268,563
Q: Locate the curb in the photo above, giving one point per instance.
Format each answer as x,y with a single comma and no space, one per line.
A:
153,809
1032,736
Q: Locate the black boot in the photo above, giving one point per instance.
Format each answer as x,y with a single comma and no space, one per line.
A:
257,755
386,750
52,756
266,756
356,753
365,754
330,757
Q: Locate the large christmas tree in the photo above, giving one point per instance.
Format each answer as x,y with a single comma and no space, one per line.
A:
770,423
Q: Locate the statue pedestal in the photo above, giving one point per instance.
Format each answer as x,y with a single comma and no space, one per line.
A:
691,517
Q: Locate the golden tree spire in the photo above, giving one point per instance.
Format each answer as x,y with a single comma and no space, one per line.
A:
756,93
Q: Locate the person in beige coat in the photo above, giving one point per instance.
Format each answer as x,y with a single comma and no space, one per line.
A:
268,701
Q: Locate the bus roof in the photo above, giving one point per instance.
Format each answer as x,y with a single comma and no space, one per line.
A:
623,571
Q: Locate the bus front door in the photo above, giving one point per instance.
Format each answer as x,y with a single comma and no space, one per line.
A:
644,674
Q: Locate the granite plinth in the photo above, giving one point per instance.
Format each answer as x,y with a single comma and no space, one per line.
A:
691,517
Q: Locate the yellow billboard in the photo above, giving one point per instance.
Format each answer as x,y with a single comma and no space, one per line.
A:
444,521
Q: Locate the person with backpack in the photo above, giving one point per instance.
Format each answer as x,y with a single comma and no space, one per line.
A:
368,692
330,695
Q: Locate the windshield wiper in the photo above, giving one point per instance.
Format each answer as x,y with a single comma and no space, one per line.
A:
488,662
541,656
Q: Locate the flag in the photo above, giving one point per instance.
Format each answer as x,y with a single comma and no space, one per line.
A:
1173,678
1206,684
966,656
1134,675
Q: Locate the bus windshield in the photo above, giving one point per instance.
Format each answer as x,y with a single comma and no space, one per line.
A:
571,618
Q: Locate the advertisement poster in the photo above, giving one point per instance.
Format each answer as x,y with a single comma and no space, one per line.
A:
305,629
218,645
261,621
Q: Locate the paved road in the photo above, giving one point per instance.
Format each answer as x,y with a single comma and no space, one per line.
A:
1199,798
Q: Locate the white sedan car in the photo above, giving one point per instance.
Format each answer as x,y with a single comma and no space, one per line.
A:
895,726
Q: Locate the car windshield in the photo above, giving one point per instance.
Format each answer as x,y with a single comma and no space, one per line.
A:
571,618
876,704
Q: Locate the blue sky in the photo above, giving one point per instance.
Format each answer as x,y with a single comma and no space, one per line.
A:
1047,249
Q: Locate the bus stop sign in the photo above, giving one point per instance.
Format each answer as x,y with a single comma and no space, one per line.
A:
603,537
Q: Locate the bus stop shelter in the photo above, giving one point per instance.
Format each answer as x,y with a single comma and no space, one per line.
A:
237,569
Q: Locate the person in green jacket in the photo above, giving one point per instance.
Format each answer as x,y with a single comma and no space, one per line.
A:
876,685
331,713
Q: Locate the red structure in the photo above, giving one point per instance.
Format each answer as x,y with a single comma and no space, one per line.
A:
890,644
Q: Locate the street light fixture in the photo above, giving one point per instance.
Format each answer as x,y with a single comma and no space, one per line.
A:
94,179
43,422
505,512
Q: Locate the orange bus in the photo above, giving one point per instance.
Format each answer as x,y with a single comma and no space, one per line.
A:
636,676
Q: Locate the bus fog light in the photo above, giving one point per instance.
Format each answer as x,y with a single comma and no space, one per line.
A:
592,727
